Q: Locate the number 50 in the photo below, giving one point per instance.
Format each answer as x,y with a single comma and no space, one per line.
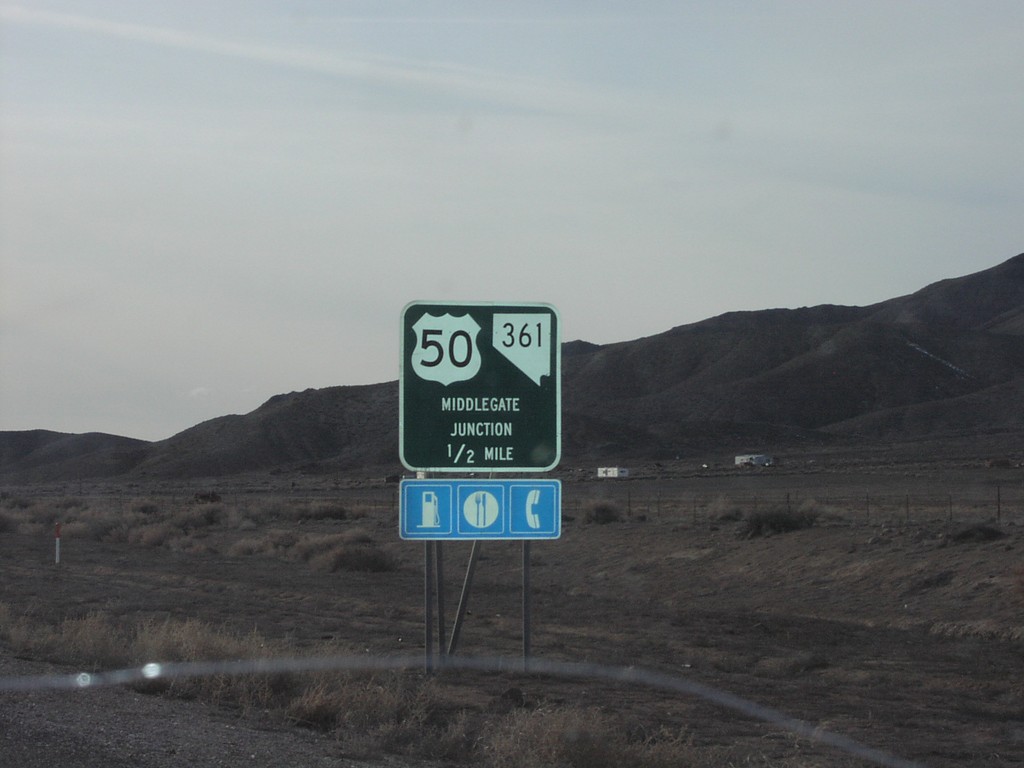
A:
459,357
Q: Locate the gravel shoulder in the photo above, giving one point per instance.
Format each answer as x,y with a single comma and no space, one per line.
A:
112,727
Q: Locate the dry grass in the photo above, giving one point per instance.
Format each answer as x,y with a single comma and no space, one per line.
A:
389,713
191,640
724,509
192,526
580,738
274,543
404,713
283,509
15,502
353,550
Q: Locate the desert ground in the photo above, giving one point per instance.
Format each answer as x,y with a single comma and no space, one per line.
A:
880,604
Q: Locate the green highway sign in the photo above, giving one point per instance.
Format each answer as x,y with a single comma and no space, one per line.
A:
480,387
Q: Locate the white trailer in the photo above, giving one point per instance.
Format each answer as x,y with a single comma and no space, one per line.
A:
754,460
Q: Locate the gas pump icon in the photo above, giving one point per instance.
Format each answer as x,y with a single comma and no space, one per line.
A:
430,517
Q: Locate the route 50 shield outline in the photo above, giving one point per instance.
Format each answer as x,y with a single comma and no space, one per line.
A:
446,348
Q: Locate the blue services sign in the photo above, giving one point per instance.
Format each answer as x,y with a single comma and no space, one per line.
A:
481,509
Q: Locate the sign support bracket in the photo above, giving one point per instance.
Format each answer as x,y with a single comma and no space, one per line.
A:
467,584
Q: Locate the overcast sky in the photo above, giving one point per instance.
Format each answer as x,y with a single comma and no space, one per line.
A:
206,203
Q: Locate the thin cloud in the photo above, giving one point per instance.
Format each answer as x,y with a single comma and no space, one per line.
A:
453,80
482,21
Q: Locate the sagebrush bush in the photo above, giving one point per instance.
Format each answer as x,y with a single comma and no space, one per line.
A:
6,621
193,640
156,535
189,640
327,553
69,503
602,513
771,521
147,508
198,516
311,546
337,701
319,707
977,533
580,738
353,557
725,510
271,543
321,510
268,509
90,641
17,502
101,525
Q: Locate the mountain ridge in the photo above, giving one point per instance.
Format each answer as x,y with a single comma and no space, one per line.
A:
947,359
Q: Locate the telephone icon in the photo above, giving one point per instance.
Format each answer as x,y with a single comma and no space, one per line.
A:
532,500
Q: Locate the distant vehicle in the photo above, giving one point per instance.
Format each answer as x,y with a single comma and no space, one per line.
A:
754,460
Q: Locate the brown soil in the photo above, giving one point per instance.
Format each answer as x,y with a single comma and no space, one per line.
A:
896,620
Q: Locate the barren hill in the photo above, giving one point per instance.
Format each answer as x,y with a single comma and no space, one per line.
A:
952,350
943,364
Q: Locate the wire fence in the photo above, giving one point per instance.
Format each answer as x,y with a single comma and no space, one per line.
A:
1001,504
997,504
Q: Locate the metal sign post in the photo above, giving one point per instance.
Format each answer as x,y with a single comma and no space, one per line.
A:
439,574
428,606
527,606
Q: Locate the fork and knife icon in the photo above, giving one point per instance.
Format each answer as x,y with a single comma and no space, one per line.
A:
481,509
480,498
